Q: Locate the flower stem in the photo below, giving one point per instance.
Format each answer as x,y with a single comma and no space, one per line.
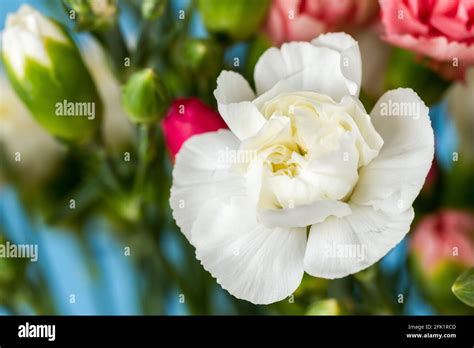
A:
144,158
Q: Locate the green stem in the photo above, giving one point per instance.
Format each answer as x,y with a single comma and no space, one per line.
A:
108,169
142,53
144,158
107,173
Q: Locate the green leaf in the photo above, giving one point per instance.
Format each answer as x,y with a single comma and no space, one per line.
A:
463,287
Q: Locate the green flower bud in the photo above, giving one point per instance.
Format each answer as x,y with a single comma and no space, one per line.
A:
46,70
145,97
153,9
92,15
201,55
236,19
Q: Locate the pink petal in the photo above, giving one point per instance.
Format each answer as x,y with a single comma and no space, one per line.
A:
437,47
276,26
446,7
304,28
452,27
408,24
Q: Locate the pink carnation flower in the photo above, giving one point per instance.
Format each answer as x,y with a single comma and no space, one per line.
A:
448,235
440,29
303,20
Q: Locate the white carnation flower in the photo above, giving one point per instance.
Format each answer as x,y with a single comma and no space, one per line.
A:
305,179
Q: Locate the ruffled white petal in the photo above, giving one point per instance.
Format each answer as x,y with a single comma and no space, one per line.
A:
350,63
232,88
370,147
330,177
335,173
275,131
302,66
338,247
252,262
393,180
201,173
234,96
303,215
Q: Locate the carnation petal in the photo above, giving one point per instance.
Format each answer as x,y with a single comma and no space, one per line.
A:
304,28
303,215
252,262
350,63
399,19
373,141
301,66
200,175
329,177
234,96
437,48
338,247
393,180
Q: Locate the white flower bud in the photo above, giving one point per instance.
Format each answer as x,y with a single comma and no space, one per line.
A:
46,70
26,35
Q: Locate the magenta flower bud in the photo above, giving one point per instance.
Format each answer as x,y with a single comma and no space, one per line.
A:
187,117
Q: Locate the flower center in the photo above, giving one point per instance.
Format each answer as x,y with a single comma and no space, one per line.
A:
311,148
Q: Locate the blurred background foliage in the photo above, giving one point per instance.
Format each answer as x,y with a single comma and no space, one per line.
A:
119,252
